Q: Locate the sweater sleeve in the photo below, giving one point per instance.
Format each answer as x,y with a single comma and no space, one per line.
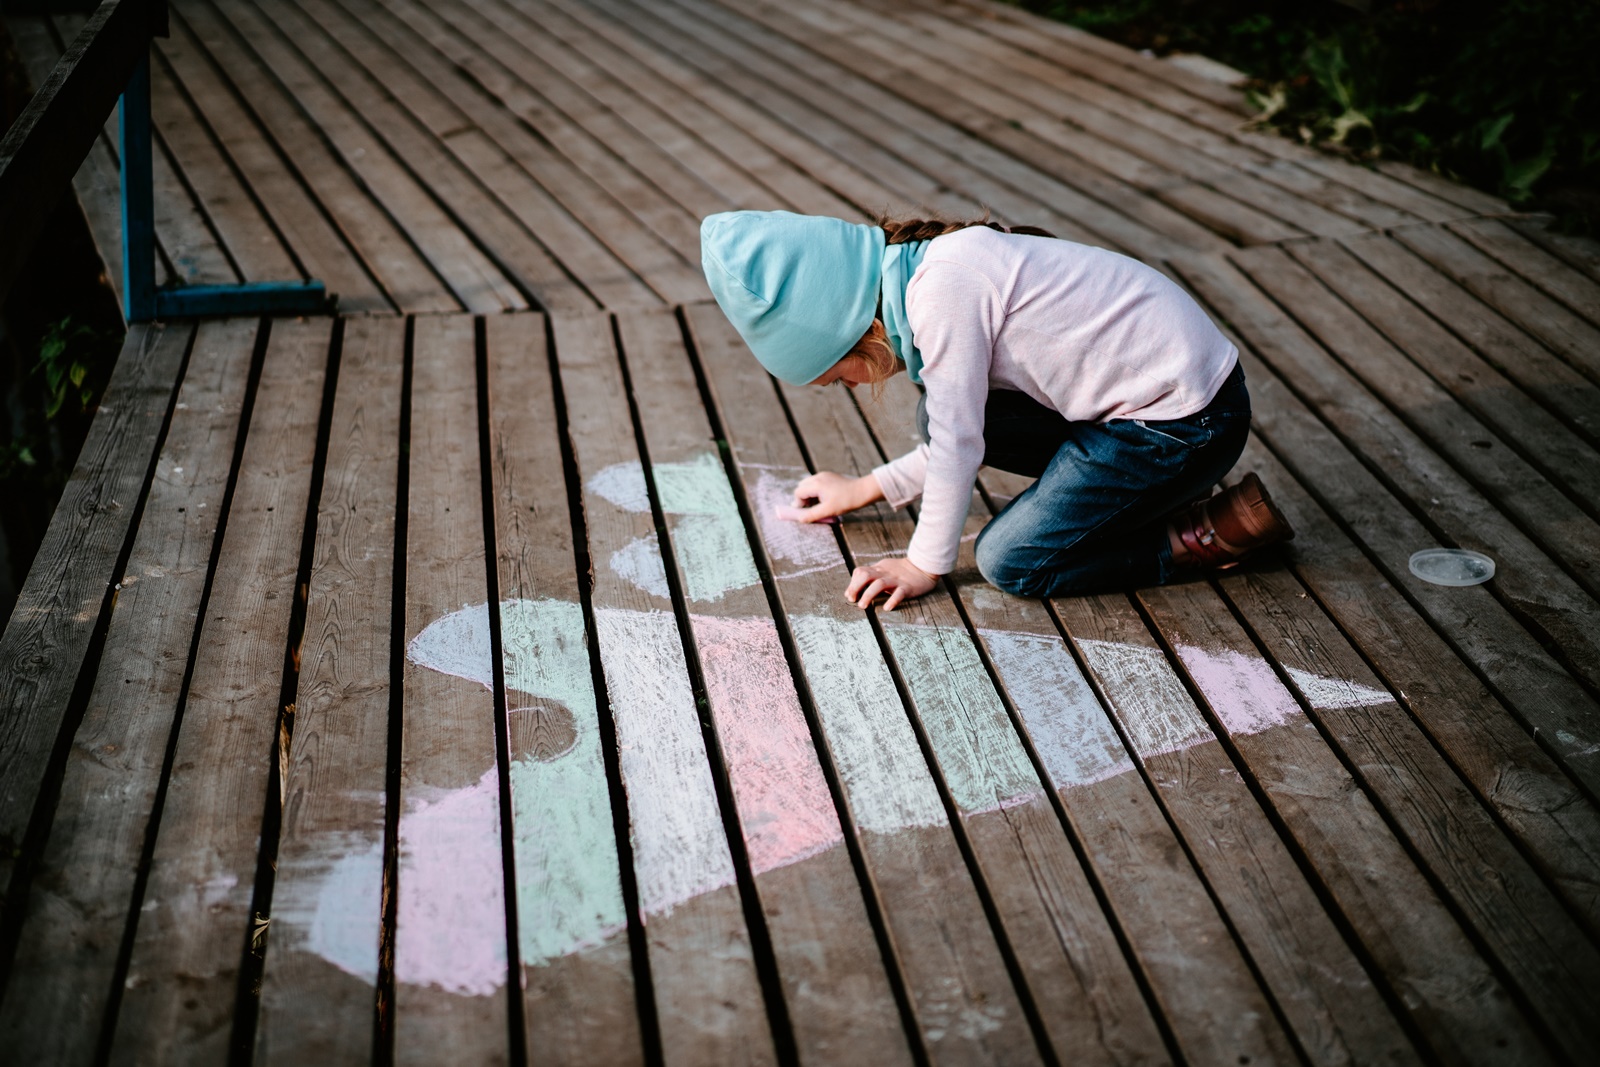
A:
956,313
901,479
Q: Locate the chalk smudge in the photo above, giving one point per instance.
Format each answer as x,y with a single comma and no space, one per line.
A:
712,551
1075,740
1330,693
880,763
1243,691
1156,710
447,869
785,809
679,846
568,891
639,562
806,547
980,756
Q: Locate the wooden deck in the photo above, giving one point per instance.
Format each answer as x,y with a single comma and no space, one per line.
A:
432,684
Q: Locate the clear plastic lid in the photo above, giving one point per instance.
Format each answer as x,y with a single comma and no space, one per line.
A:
1452,566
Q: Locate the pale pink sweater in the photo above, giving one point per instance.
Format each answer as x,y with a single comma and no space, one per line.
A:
1093,334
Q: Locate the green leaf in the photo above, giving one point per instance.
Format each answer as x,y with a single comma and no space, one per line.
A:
1491,136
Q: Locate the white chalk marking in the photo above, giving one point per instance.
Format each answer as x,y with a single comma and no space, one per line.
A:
1156,710
980,756
1070,730
680,849
623,484
884,775
1331,693
639,562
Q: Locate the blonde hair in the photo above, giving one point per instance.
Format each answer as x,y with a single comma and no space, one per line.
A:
877,353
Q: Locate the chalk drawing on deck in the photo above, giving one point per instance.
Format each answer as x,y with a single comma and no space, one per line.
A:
712,551
569,895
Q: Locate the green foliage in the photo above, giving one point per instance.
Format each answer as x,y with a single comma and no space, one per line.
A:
63,366
1498,94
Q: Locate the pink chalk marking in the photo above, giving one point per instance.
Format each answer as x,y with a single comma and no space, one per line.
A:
789,513
451,930
1243,690
785,808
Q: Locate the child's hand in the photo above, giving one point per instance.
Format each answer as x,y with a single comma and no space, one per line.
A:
900,578
824,495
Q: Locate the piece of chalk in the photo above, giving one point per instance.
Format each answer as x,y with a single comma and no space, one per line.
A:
793,514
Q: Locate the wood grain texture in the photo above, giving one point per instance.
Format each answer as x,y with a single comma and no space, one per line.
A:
194,923
580,1008
1565,332
1544,810
315,244
1420,951
347,128
836,988
42,650
1480,628
1537,436
1316,982
540,188
406,277
708,995
1535,369
450,965
78,903
334,788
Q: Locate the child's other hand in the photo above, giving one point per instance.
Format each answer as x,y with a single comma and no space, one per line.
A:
825,494
900,578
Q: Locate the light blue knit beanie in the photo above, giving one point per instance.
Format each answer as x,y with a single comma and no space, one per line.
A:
800,289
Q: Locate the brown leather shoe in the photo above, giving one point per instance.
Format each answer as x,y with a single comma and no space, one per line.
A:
1219,531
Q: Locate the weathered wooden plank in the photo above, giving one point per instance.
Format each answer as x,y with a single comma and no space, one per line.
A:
599,99
605,247
246,234
1041,892
965,1006
688,97
475,281
308,235
1555,277
702,965
1099,122
68,587
450,936
836,990
319,990
1541,807
194,921
1540,373
665,199
78,903
1581,253
1521,424
1421,953
864,122
1565,332
1472,201
1473,620
1559,535
1164,202
577,971
1315,980
401,269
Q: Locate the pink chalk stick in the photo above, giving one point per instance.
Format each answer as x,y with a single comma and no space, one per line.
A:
794,514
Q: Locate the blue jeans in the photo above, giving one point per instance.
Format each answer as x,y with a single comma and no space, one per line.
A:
1096,517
